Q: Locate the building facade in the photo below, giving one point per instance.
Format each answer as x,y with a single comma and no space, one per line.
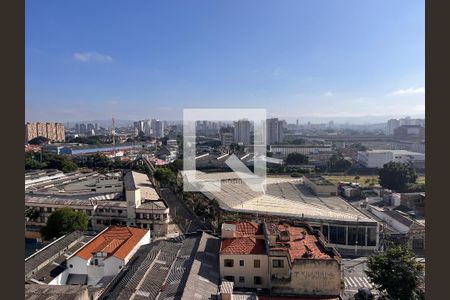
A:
274,131
378,158
106,254
53,131
242,132
284,150
284,259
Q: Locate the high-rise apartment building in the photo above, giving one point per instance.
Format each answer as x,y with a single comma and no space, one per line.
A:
392,124
52,131
157,128
275,131
242,132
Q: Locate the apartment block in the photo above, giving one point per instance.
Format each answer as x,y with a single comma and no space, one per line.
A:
53,131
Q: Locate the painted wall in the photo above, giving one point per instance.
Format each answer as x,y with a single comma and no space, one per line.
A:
311,277
248,271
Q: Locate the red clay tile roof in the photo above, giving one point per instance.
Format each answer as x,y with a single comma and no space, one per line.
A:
115,241
248,228
242,245
301,244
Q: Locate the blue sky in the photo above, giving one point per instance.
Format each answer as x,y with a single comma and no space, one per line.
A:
139,59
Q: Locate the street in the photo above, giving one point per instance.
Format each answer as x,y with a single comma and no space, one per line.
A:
354,276
187,220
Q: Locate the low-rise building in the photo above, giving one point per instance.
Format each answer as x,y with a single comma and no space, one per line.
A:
284,150
319,185
280,258
131,201
378,158
105,255
410,231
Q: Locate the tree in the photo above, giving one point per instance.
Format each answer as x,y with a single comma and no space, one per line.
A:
64,221
38,140
338,163
397,272
357,178
31,213
61,163
165,175
296,159
396,176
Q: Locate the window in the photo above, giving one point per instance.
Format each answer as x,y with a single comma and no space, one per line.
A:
371,236
49,209
96,262
337,235
257,280
119,211
278,263
70,266
229,278
241,263
418,244
257,263
229,263
241,279
92,190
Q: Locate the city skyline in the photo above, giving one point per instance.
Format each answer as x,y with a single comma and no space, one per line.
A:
342,60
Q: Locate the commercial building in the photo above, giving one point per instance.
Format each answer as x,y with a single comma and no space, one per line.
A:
52,131
290,200
105,255
284,150
129,200
378,158
286,260
242,130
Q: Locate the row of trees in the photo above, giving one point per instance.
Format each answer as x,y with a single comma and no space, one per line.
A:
49,161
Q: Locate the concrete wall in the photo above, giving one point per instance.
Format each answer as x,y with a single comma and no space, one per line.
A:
61,279
79,265
113,265
311,277
247,271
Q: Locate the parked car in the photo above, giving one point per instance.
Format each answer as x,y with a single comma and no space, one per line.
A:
364,294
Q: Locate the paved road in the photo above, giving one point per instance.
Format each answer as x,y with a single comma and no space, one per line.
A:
189,222
354,276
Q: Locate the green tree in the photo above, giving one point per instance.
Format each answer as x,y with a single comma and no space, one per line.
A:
338,163
38,140
396,176
165,175
397,272
296,159
31,213
64,221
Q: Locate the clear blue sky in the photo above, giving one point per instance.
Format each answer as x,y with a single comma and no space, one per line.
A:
140,59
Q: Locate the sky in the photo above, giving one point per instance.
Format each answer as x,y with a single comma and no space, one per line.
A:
328,59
